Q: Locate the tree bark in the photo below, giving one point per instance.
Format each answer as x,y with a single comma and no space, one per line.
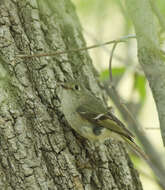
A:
38,148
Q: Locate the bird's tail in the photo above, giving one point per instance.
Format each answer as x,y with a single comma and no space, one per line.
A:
136,149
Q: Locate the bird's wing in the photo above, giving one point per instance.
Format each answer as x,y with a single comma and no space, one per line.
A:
106,119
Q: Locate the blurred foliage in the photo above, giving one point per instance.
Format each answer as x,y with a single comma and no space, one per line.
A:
85,6
161,5
117,73
140,86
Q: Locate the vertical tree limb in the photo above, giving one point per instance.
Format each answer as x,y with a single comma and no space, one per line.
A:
153,65
148,53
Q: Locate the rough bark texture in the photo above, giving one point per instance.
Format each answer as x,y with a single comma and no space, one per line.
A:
38,149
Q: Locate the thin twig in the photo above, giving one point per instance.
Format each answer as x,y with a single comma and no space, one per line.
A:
94,39
110,62
151,128
122,39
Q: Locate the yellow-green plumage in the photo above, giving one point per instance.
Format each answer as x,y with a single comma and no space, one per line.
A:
88,115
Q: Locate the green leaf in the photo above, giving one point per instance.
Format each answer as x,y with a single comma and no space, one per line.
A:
140,85
104,75
116,73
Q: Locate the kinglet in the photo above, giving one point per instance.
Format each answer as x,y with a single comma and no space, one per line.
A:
89,117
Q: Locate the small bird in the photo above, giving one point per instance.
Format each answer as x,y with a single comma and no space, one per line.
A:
89,117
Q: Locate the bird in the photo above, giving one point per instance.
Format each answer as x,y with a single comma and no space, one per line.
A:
90,118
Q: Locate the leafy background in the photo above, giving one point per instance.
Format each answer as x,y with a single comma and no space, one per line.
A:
105,20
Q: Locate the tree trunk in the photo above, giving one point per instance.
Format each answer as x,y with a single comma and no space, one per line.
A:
38,148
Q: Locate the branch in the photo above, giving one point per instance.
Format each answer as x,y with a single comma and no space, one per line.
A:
122,39
152,63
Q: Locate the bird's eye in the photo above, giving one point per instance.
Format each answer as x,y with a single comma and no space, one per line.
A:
77,87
